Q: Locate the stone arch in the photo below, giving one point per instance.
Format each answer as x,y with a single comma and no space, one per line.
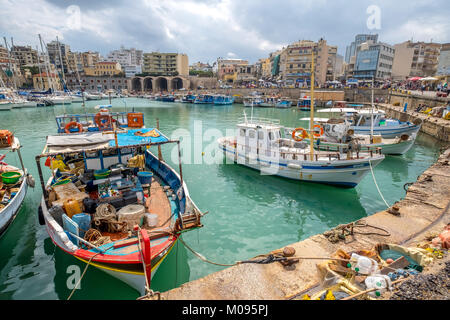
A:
148,84
136,84
177,83
161,84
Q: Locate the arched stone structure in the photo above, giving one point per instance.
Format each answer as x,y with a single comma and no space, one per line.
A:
161,84
148,84
177,83
137,84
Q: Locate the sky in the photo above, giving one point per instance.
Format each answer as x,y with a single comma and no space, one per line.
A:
208,29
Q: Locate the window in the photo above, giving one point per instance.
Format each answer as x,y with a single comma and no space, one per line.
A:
251,134
271,135
242,132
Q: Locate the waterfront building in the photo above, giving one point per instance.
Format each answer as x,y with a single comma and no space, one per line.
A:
416,59
97,83
126,57
374,60
9,68
227,69
444,60
44,81
352,49
25,55
58,54
246,73
104,68
295,62
78,61
199,66
166,64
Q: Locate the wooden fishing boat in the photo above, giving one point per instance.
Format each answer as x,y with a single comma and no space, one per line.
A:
13,182
113,204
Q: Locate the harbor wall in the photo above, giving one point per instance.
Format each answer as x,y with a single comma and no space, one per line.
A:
414,100
436,127
426,203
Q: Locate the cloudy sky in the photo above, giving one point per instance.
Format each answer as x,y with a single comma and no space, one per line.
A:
207,29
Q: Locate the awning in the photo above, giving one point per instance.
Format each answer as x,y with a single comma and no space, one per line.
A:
429,79
414,78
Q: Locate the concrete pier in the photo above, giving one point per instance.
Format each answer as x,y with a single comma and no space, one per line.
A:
425,204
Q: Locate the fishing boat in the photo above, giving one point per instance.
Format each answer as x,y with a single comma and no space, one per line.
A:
204,99
14,182
168,98
5,105
258,144
283,103
304,104
269,102
113,204
188,98
338,135
223,99
253,101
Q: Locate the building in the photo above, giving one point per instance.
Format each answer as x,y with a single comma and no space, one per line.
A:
374,60
266,68
296,62
166,64
227,69
246,73
416,59
59,55
352,49
25,55
78,61
331,63
444,60
97,83
9,68
199,66
42,81
131,60
104,68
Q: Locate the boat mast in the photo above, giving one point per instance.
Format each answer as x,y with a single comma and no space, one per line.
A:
9,63
371,114
50,85
40,71
311,121
61,62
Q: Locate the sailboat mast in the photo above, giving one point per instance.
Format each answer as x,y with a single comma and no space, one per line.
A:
40,71
10,65
371,115
311,121
50,85
61,61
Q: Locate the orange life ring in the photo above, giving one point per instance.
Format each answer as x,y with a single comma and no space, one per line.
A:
303,135
72,124
317,135
135,119
101,124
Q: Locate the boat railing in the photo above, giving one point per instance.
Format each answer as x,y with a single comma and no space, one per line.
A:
258,120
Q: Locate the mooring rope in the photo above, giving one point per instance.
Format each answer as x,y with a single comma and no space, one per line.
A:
376,184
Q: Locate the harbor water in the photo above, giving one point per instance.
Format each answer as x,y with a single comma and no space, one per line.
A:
248,213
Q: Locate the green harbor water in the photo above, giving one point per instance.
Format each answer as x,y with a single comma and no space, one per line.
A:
249,214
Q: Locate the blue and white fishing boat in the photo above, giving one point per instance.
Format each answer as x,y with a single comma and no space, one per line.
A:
283,103
223,99
258,144
373,121
304,104
204,99
189,98
253,101
269,102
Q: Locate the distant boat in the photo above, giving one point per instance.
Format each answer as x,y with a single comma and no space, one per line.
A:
253,101
189,98
204,99
223,99
283,103
269,102
304,104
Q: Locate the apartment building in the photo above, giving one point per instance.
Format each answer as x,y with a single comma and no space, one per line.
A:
166,64
415,59
374,60
352,49
25,55
104,68
444,60
59,55
227,69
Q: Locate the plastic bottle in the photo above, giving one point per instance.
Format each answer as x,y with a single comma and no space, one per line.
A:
363,265
380,282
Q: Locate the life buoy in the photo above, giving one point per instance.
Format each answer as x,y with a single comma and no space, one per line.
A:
315,134
135,120
103,121
303,134
71,125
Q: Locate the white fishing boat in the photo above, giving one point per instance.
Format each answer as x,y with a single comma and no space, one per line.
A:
259,145
13,181
5,105
269,102
253,101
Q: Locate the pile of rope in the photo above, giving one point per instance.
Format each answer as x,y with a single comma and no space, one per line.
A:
343,230
105,215
95,237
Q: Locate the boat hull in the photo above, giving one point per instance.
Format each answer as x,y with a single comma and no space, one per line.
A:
345,174
387,132
9,213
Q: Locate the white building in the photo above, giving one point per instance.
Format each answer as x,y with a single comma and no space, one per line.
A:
131,60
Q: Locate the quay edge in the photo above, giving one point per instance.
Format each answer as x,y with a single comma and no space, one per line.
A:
426,203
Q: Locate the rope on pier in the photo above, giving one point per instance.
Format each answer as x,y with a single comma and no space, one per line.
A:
376,184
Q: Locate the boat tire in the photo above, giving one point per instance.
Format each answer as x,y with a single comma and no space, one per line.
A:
41,216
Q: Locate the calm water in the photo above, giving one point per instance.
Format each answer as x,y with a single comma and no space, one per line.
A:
249,214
